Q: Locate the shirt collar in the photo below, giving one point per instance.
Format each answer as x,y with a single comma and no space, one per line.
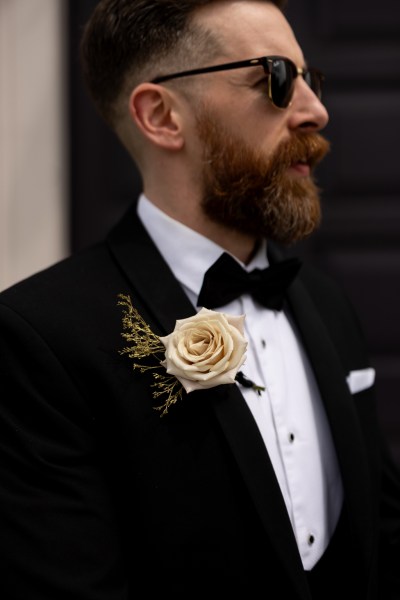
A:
171,237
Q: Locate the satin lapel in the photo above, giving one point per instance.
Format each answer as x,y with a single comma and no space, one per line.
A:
151,277
158,289
254,463
340,411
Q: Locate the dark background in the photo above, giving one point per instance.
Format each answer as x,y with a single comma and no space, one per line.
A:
357,45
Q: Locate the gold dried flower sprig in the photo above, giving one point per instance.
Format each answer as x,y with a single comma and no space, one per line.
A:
145,343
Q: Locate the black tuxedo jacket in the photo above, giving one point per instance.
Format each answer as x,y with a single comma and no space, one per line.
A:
102,499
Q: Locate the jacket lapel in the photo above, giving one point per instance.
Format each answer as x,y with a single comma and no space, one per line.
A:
154,283
340,410
258,474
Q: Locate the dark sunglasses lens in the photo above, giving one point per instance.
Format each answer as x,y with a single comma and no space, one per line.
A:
314,79
282,77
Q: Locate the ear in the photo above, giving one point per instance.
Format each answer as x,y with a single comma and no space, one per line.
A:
154,110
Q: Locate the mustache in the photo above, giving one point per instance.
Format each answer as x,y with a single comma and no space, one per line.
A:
308,148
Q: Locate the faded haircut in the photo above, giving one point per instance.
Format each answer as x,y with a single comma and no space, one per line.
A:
126,42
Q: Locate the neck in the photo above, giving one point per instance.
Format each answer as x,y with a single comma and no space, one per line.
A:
240,245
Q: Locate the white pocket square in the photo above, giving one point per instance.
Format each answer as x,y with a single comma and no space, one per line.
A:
360,379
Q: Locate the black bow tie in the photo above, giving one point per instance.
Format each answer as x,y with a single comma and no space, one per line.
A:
226,280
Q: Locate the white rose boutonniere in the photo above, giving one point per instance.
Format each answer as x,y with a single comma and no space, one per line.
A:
203,351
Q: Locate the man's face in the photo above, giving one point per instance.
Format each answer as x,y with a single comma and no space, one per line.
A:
257,159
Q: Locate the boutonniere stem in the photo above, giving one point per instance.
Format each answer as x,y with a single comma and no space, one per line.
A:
247,383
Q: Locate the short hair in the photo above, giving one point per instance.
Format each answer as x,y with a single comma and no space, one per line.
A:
125,42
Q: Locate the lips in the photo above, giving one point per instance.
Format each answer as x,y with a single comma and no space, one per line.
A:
301,168
300,154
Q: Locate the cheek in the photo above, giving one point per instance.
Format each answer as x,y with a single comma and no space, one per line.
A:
269,139
263,131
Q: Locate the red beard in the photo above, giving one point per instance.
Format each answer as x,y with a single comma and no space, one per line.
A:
249,193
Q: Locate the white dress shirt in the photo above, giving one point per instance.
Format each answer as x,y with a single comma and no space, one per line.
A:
289,413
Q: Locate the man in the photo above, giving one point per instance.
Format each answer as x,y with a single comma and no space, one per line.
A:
159,437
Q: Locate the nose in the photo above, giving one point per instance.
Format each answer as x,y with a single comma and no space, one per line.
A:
307,112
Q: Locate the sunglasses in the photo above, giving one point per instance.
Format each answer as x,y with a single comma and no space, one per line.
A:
281,72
